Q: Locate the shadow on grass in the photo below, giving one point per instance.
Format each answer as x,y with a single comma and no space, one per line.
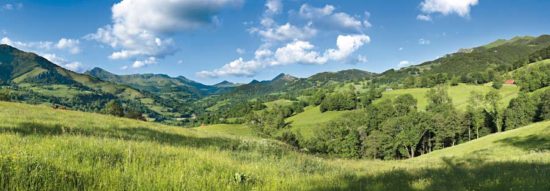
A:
529,143
455,175
138,134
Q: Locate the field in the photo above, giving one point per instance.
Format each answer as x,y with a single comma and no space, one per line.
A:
46,149
459,94
306,122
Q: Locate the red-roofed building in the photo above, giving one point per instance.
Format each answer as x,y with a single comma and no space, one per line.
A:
510,82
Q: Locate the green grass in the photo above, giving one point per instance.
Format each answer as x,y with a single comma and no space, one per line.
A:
459,94
238,130
280,102
46,149
306,122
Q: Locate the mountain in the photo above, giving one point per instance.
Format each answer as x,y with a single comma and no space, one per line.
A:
284,77
37,80
341,76
500,55
226,84
158,83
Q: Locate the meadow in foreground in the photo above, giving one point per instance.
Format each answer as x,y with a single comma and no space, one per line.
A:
46,149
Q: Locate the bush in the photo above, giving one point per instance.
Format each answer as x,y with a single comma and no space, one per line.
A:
5,95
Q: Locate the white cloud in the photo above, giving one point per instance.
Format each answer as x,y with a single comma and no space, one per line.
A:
291,43
237,67
143,63
69,44
10,6
347,44
424,41
141,29
285,32
6,40
274,6
64,44
240,51
424,17
326,18
400,48
447,7
362,59
404,63
73,66
296,52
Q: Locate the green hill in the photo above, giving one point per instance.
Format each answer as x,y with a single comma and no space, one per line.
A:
46,149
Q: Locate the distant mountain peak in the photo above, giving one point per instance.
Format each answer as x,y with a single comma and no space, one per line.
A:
225,83
284,77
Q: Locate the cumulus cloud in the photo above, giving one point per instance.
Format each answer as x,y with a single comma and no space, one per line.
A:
362,59
288,43
240,51
424,17
68,44
237,67
274,6
142,29
404,63
285,32
65,44
296,52
146,62
70,65
446,7
326,18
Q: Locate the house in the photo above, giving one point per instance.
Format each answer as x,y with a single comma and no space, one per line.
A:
510,82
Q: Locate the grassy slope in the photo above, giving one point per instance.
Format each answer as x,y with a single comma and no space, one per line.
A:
306,122
46,149
459,94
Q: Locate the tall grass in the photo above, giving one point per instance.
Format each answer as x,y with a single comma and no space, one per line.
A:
46,149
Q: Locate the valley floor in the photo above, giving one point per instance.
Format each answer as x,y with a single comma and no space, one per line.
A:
46,149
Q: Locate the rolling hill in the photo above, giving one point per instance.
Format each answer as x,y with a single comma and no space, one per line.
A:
32,76
46,149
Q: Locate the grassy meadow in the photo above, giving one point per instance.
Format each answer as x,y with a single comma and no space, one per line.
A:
459,94
46,149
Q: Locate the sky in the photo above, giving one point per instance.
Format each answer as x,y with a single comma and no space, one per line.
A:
241,40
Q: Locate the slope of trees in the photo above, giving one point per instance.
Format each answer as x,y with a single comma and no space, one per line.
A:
395,129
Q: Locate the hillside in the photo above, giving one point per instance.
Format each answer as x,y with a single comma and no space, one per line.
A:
179,87
34,79
501,55
46,149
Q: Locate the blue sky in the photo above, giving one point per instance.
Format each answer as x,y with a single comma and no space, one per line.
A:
240,40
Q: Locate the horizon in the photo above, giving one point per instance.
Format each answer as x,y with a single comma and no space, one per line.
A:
210,43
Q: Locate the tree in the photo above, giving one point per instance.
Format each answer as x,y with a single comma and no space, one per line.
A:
438,100
5,95
114,108
544,106
492,98
412,129
474,113
520,112
404,104
498,82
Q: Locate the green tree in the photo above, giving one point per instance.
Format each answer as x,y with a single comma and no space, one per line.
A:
491,107
474,113
544,106
114,108
520,112
404,104
412,129
4,95
438,100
